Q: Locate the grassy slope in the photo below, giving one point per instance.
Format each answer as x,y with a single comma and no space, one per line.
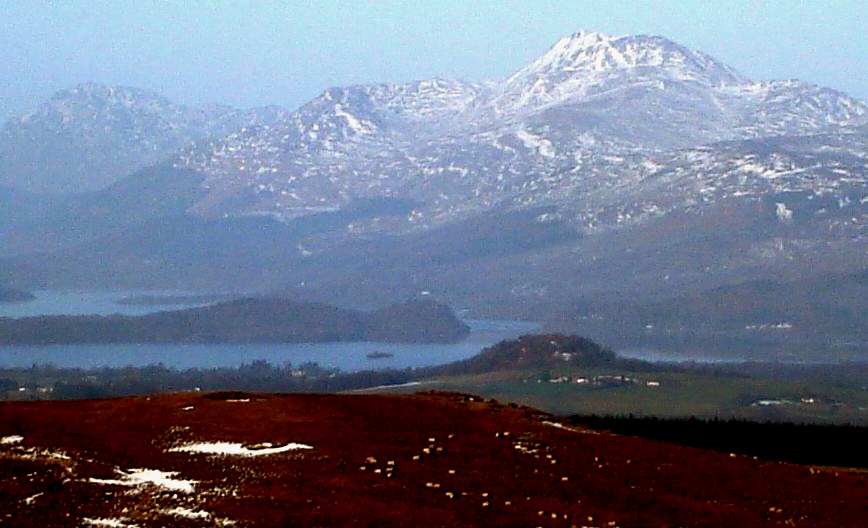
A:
700,394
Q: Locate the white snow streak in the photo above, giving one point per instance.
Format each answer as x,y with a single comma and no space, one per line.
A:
145,477
236,449
114,523
354,123
187,513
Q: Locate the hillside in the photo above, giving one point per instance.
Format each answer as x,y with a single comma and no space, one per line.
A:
425,460
829,313
272,320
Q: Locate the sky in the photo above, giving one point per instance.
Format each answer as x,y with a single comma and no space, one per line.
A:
253,53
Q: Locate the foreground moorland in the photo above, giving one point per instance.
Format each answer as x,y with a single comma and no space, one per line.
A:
430,459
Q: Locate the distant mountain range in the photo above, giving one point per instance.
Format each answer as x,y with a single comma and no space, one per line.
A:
591,113
626,166
594,118
89,136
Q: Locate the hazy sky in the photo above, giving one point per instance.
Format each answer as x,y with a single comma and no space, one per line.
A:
255,53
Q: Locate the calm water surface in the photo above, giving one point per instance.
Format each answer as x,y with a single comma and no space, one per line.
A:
83,303
346,356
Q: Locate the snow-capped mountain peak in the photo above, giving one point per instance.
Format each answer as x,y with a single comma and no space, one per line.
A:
596,52
586,63
577,51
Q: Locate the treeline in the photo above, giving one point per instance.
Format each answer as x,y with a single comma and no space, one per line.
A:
49,382
274,320
812,444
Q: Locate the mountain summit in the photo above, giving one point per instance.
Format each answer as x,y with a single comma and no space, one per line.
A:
584,64
586,51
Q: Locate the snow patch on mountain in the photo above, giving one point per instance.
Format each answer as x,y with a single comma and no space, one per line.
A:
355,124
538,143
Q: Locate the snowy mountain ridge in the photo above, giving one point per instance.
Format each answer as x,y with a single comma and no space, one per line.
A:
592,117
90,135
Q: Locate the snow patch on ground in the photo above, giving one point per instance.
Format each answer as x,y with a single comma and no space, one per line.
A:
387,387
18,451
558,425
148,477
114,523
201,515
237,449
187,513
31,499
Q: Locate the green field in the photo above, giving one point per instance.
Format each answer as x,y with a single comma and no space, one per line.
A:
672,393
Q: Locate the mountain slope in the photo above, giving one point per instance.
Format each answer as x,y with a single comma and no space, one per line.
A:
89,136
827,316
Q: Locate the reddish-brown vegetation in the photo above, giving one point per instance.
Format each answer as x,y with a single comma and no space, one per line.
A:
421,460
